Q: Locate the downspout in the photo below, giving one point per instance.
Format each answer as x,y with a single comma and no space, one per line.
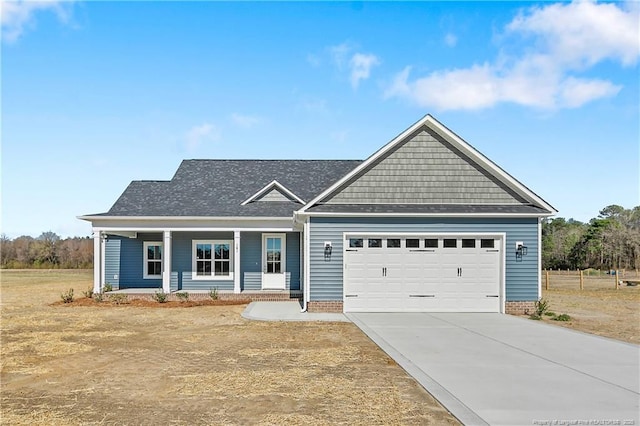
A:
307,262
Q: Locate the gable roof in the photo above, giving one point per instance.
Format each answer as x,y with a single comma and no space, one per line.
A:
428,167
214,188
277,188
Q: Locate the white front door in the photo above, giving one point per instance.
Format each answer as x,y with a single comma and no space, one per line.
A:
273,261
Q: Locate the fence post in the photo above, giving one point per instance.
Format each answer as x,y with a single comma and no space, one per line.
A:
616,278
581,280
546,281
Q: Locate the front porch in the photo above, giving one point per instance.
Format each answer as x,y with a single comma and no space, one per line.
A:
253,296
248,264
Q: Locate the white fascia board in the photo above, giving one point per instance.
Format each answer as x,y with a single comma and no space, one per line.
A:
273,184
182,218
117,230
329,214
455,140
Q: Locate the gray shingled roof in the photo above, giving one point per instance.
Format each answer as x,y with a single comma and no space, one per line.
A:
218,188
427,209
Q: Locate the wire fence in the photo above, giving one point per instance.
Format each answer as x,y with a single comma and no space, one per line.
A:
589,279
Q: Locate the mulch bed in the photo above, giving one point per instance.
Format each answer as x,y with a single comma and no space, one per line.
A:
142,303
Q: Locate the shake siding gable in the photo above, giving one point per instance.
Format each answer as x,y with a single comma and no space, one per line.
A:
326,275
425,169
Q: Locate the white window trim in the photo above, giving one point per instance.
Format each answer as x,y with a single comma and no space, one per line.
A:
212,277
145,260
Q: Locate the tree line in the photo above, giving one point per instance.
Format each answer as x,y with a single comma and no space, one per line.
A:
609,241
47,251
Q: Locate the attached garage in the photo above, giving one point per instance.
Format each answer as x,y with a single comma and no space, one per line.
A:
423,273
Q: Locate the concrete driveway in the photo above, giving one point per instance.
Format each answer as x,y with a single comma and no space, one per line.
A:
502,370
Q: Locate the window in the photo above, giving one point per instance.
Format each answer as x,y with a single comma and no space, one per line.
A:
152,260
468,243
412,243
393,242
355,242
212,260
431,243
486,243
375,242
449,243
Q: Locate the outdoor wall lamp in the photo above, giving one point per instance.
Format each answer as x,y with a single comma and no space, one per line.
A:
327,250
521,250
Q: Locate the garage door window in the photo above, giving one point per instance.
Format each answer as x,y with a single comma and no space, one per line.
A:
431,243
413,243
375,242
468,243
393,242
449,243
355,242
486,243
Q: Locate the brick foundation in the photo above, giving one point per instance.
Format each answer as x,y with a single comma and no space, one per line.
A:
520,307
249,296
333,306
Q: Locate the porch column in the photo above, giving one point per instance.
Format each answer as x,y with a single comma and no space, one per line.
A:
166,261
236,261
97,261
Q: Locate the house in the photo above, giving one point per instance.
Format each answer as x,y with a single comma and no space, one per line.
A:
426,223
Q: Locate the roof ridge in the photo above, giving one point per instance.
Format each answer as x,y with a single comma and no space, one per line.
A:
269,159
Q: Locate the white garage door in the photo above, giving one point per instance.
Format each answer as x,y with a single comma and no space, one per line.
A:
422,273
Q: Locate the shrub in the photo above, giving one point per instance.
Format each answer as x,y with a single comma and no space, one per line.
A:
183,296
535,317
542,306
107,287
550,314
67,296
160,296
98,297
213,293
118,299
89,293
562,317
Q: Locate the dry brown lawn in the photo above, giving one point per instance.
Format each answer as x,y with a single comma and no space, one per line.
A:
599,308
65,365
606,312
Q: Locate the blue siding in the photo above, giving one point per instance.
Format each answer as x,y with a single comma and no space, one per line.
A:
124,260
326,275
293,260
131,263
251,260
181,261
112,261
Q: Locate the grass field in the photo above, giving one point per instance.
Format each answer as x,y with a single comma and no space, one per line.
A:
600,308
65,365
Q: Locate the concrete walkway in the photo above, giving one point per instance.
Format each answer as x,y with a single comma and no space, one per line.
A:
286,311
502,370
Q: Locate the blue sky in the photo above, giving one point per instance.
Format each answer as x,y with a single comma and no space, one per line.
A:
96,94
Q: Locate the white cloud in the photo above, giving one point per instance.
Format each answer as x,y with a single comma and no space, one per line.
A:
246,121
450,40
18,15
360,65
340,53
567,40
197,135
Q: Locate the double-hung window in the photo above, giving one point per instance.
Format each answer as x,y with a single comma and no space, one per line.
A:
152,260
212,260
